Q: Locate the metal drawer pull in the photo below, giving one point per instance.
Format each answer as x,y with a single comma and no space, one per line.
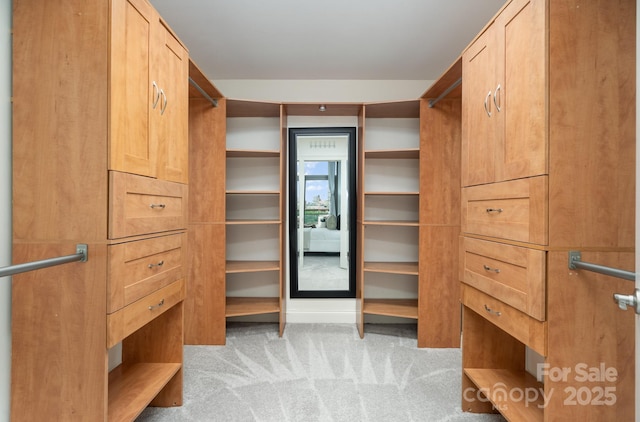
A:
156,95
163,105
488,268
157,206
494,210
495,100
159,264
152,307
491,311
486,106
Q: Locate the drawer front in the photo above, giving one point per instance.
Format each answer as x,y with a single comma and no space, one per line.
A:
514,210
141,267
141,205
527,330
127,320
512,274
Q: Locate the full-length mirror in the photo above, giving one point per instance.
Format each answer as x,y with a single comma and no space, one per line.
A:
322,201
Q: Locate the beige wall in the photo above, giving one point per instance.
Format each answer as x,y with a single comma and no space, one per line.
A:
339,91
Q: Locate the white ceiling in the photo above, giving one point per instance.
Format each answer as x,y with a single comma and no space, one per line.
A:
326,39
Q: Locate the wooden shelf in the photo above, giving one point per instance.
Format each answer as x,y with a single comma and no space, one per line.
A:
410,268
403,308
507,381
251,222
391,223
244,108
242,306
251,266
251,153
133,387
394,109
331,109
393,153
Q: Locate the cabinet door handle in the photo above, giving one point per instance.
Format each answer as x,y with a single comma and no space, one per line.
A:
154,206
496,98
163,106
152,307
491,311
487,104
488,268
498,210
159,264
156,94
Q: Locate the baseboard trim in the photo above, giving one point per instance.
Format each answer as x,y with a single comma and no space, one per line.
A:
296,317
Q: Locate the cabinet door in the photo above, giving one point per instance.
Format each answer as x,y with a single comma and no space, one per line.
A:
131,90
478,111
170,119
521,151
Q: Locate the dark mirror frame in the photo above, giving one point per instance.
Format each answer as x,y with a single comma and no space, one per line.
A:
295,292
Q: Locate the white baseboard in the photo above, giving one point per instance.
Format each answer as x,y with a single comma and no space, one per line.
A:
318,317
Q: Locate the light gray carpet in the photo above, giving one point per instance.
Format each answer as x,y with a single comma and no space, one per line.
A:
323,272
319,372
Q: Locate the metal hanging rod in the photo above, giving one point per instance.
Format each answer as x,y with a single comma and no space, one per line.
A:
82,255
213,101
445,93
575,263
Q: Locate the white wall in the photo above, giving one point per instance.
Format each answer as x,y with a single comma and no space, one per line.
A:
5,205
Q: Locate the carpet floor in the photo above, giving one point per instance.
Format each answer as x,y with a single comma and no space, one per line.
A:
319,372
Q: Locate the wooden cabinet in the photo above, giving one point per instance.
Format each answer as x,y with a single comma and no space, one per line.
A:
408,217
388,212
148,91
535,169
92,166
255,210
503,134
237,206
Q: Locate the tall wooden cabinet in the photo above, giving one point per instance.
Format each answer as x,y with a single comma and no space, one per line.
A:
96,162
204,304
548,147
408,218
255,210
236,219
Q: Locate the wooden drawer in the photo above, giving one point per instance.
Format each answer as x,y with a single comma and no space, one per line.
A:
141,205
513,210
127,320
529,331
512,274
141,267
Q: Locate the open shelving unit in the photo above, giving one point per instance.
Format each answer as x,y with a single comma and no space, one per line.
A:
389,173
254,214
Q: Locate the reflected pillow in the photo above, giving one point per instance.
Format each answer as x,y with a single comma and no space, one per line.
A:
332,222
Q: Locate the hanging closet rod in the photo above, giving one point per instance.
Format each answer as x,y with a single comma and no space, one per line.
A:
575,262
445,93
82,254
213,101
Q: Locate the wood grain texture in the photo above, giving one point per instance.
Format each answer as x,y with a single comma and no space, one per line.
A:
439,320
141,205
514,275
592,124
59,142
591,331
59,355
440,143
207,163
205,321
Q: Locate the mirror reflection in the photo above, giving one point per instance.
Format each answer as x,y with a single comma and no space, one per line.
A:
321,239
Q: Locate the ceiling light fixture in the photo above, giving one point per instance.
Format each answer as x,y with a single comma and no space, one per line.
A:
322,107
